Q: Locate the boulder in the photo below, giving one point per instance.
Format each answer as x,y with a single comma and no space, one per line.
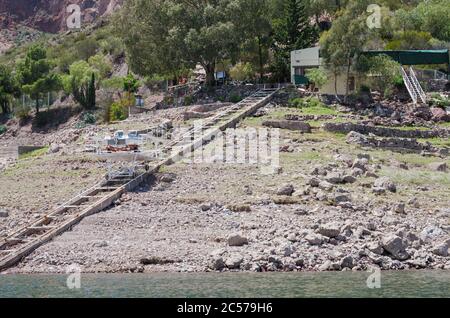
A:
237,240
360,163
287,189
330,230
395,246
314,182
399,208
439,115
4,214
314,239
385,183
347,262
54,148
234,261
205,207
217,263
326,186
334,178
438,166
430,232
375,247
441,249
349,179
341,198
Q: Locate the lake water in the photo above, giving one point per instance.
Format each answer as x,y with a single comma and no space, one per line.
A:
241,285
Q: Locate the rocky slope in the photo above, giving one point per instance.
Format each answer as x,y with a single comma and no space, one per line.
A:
50,15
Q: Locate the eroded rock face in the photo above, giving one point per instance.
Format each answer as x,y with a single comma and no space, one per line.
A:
50,15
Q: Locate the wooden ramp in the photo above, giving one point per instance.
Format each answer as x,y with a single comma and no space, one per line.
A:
27,239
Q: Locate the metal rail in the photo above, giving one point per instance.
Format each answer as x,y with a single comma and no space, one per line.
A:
27,239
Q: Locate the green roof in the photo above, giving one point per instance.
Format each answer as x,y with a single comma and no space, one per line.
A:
415,57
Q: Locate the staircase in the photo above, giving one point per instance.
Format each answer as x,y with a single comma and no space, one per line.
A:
412,84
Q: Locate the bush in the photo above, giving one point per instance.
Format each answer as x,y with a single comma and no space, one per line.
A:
89,118
188,100
120,110
3,129
437,100
242,72
307,102
235,98
318,77
115,83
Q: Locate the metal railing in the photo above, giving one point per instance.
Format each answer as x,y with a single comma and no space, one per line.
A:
417,85
409,85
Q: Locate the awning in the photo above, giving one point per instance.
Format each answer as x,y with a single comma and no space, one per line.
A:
415,57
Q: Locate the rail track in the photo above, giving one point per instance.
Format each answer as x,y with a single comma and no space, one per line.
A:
24,241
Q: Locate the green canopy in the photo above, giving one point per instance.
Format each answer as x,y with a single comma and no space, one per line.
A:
415,57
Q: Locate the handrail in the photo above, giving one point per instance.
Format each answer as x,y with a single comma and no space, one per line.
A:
409,85
417,85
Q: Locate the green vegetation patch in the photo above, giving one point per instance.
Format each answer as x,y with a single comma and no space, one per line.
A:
34,153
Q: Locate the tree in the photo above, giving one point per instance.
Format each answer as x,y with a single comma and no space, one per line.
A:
292,31
318,77
344,42
166,36
84,94
34,73
8,88
253,22
130,84
101,64
242,72
385,73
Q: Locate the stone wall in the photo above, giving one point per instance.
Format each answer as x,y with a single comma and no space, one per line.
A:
384,131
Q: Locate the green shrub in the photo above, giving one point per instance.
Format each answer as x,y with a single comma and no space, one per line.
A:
120,110
168,100
117,112
307,102
235,98
89,118
115,83
437,100
188,100
3,129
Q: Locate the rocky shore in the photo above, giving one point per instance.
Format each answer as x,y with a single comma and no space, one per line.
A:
332,205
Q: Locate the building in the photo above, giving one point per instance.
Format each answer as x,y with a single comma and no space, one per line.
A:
305,59
302,60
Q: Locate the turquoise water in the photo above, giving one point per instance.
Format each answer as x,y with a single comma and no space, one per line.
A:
241,285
